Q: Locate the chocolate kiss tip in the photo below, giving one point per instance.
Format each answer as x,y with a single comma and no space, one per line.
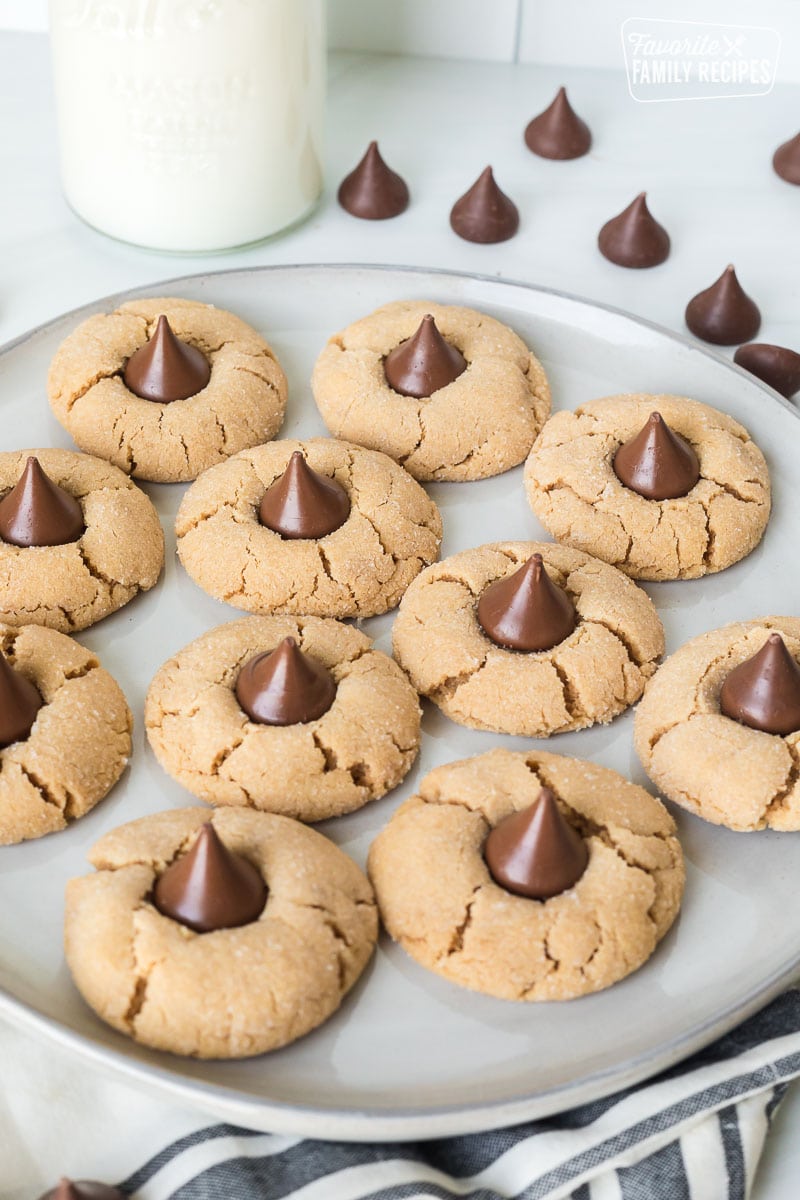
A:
83,1190
776,365
764,691
723,314
210,887
786,160
634,238
285,686
373,191
657,463
20,702
37,512
558,132
423,363
485,214
526,610
301,503
166,368
536,852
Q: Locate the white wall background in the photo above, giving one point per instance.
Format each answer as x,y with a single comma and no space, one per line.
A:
578,33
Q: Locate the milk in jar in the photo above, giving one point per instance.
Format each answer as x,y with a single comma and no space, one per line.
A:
190,125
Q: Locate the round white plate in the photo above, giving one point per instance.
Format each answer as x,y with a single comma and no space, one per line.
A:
409,1055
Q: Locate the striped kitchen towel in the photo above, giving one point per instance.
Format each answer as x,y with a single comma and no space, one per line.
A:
694,1132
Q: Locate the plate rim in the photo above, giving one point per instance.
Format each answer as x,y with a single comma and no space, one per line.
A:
418,1123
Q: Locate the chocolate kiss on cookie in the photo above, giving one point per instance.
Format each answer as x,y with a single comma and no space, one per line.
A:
37,512
658,463
485,213
302,503
764,691
558,132
786,160
634,238
285,686
166,368
775,365
423,363
373,191
210,887
536,852
526,611
723,314
85,1189
19,703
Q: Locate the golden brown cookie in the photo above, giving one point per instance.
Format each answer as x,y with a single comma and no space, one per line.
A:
355,752
591,676
229,993
362,568
439,901
80,741
481,424
712,765
573,490
242,405
120,553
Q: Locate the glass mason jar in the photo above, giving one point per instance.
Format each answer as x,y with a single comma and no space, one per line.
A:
190,125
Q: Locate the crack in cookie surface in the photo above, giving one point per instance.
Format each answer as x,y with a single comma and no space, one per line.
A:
438,900
595,673
360,569
481,424
119,554
242,405
233,992
354,753
721,770
78,746
572,488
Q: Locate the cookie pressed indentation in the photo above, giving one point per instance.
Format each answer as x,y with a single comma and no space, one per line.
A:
589,675
573,488
355,750
231,992
167,437
360,568
705,760
439,901
479,423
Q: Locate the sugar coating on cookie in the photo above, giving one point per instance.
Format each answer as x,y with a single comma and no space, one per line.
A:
360,569
242,405
705,761
119,554
572,488
590,676
80,741
359,749
233,992
438,899
481,424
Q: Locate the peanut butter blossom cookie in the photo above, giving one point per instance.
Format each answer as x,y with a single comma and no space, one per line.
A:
527,638
661,486
719,726
166,388
448,392
528,876
318,527
65,732
78,539
299,716
217,937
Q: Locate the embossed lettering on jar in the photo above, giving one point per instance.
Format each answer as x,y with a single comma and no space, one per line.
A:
189,126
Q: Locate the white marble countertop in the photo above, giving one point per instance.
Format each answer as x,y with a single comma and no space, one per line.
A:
705,166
